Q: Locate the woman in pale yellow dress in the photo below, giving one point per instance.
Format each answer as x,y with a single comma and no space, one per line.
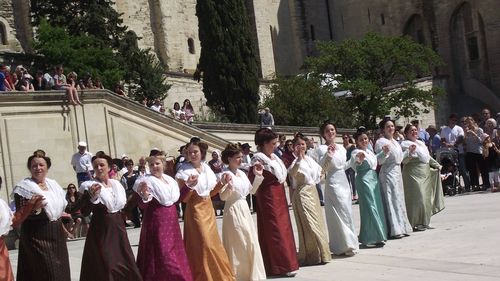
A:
239,234
305,173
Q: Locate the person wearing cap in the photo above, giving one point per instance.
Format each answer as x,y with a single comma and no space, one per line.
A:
266,118
434,139
82,163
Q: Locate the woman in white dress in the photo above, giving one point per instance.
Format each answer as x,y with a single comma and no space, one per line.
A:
338,205
391,181
304,174
239,234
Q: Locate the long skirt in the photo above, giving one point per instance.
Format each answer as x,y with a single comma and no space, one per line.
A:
373,224
338,211
275,228
423,192
391,182
161,255
313,240
239,236
206,255
6,273
43,254
107,255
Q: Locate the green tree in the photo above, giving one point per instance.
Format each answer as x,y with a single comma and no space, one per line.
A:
92,17
301,101
99,28
80,53
370,65
228,60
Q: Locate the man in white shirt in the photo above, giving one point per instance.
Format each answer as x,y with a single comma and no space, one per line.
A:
82,163
452,136
451,132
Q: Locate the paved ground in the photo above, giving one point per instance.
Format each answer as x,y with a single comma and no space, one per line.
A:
465,245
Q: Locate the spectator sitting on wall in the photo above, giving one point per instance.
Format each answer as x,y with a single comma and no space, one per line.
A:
98,84
39,83
177,113
157,105
188,110
73,80
25,84
3,81
17,78
119,91
62,84
266,118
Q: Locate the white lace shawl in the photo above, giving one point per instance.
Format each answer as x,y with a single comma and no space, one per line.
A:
396,153
422,153
309,168
370,158
273,165
5,218
240,182
206,179
114,197
55,197
166,191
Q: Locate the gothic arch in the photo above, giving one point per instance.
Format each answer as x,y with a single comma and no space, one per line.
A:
414,28
469,51
4,31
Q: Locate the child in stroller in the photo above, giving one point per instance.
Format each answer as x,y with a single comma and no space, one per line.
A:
449,176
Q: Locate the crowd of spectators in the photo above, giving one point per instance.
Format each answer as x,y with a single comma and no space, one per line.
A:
184,114
21,80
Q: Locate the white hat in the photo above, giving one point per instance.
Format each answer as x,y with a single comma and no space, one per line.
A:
82,143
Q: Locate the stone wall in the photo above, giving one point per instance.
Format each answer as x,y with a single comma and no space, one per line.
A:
7,25
107,122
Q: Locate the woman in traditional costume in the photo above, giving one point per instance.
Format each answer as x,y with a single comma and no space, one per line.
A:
391,181
373,230
338,197
421,179
161,255
304,174
239,234
43,254
107,254
206,255
273,219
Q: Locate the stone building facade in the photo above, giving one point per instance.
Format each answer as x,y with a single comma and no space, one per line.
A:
465,33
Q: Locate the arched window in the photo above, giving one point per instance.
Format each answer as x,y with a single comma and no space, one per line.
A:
191,46
3,34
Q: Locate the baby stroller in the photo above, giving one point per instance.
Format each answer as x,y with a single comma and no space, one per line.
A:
448,158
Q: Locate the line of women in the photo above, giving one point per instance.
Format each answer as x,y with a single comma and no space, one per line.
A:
245,252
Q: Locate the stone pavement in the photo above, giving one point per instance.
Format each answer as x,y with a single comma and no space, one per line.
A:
465,245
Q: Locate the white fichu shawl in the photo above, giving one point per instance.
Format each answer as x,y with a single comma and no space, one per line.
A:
55,197
370,158
309,168
240,182
166,193
273,165
5,218
206,179
114,197
394,148
422,153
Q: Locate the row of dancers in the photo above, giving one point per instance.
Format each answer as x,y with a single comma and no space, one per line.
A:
245,252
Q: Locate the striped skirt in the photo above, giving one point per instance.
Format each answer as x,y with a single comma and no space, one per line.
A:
43,254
